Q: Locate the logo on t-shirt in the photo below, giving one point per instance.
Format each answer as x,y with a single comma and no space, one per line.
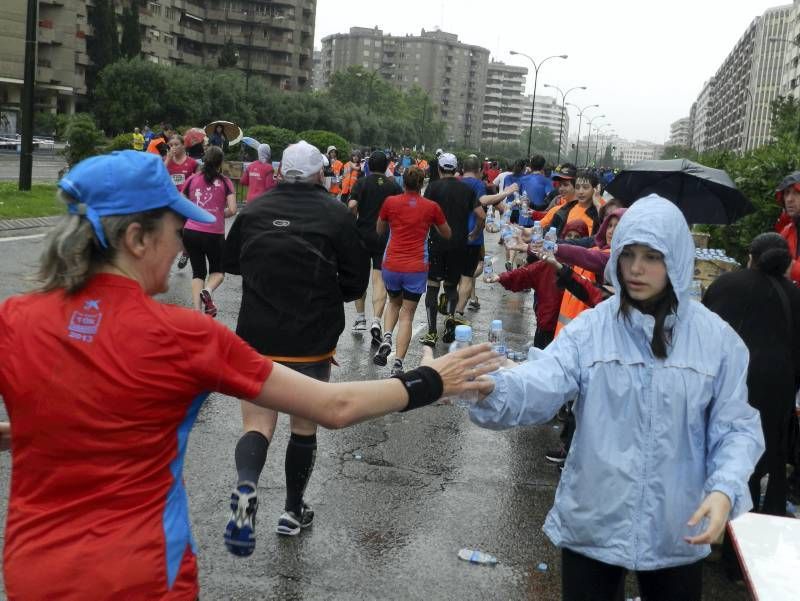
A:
83,325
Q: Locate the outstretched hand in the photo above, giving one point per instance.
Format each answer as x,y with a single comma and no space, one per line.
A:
716,507
462,370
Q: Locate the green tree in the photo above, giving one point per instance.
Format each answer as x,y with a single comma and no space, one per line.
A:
679,152
278,138
131,43
544,143
229,55
83,138
124,96
103,45
322,139
785,113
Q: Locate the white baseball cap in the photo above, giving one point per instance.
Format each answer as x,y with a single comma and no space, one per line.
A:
448,161
300,161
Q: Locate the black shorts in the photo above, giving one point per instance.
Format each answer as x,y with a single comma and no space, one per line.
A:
377,260
474,255
406,294
446,265
319,370
202,247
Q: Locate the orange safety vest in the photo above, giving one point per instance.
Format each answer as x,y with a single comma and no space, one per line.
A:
423,164
571,306
336,167
350,177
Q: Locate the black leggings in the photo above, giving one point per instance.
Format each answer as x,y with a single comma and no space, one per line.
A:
201,246
584,579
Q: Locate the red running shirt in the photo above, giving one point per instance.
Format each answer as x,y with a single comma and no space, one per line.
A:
259,178
180,172
409,216
102,388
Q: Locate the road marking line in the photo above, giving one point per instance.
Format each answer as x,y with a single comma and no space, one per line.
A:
13,238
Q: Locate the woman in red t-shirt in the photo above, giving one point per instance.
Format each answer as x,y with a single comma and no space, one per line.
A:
179,165
259,177
409,216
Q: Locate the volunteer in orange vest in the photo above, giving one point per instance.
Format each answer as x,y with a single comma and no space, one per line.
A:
350,174
788,196
584,206
334,170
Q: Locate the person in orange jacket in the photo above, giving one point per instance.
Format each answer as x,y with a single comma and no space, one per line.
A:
334,170
788,196
350,174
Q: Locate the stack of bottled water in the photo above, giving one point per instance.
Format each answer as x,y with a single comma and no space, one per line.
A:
713,254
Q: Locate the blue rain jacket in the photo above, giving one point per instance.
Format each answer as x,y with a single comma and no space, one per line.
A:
654,436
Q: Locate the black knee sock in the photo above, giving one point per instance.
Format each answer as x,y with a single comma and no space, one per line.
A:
300,455
452,297
250,456
432,306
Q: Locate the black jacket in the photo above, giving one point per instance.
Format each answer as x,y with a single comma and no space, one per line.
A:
301,258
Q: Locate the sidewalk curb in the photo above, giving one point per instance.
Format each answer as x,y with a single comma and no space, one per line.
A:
16,227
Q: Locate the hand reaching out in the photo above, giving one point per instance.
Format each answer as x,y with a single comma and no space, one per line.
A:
716,507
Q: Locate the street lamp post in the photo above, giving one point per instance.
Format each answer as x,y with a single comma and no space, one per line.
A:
589,139
26,106
563,104
580,119
535,81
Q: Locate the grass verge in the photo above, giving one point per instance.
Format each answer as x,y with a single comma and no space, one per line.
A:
39,202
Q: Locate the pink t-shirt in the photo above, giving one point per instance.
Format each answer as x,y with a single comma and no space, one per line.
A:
210,197
259,178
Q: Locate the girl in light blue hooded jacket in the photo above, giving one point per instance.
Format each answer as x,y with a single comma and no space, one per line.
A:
665,438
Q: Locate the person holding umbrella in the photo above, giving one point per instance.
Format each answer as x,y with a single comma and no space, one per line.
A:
665,439
788,196
218,137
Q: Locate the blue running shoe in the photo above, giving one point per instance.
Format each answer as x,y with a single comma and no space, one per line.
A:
240,533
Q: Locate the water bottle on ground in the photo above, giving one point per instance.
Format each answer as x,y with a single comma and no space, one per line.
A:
497,338
549,246
463,340
488,267
476,556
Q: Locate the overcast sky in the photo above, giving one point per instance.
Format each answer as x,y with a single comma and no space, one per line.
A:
643,61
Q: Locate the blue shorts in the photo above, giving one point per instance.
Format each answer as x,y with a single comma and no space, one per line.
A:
396,282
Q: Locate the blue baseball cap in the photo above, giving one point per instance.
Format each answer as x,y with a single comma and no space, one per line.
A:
125,182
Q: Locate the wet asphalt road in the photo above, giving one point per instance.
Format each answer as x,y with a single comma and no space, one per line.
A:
46,165
395,498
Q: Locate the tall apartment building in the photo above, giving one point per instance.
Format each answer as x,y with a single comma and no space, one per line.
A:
700,117
790,78
275,41
680,132
631,152
503,104
548,115
60,62
316,71
743,88
451,72
274,38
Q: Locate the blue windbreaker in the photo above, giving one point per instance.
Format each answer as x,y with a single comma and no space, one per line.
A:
654,436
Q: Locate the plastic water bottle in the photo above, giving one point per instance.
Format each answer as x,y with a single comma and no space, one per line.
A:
538,233
549,246
497,338
488,267
524,204
463,340
507,233
696,291
531,353
476,556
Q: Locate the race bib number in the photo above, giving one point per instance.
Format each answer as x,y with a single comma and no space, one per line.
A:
178,179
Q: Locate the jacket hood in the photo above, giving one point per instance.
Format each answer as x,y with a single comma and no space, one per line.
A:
264,153
656,222
787,182
600,238
576,225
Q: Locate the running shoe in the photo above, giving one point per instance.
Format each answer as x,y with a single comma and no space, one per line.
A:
473,304
443,303
558,456
359,326
183,261
397,368
430,339
240,533
376,332
450,324
383,352
290,524
209,308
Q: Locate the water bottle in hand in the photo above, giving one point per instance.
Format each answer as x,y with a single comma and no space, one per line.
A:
549,247
463,340
488,268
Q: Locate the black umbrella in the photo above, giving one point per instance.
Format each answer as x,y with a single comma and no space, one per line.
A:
704,195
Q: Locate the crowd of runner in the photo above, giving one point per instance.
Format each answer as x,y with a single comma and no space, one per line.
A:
663,440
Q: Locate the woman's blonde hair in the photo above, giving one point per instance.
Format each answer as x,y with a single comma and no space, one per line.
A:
72,253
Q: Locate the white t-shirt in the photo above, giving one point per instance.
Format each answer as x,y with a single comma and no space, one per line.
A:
500,180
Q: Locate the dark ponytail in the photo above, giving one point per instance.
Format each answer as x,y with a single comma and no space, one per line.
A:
770,254
212,163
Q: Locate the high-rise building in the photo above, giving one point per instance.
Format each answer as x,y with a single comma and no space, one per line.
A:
316,71
451,72
61,57
274,40
790,77
700,117
680,132
749,79
549,116
630,152
502,109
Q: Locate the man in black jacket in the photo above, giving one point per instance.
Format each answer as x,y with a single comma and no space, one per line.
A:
301,258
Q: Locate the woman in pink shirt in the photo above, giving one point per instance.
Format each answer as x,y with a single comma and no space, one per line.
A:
204,242
259,177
